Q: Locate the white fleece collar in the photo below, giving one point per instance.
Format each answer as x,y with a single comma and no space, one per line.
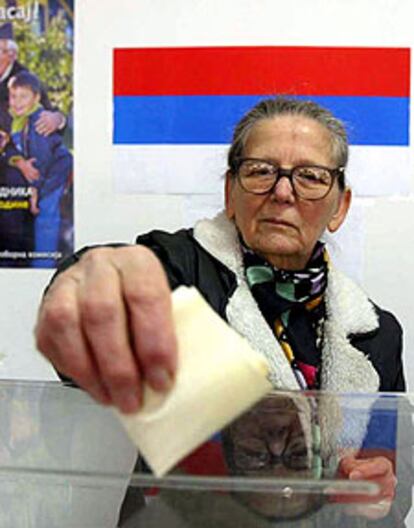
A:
349,311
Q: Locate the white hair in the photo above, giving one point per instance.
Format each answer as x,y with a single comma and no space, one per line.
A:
12,46
282,105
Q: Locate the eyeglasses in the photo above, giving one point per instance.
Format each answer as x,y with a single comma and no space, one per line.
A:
260,457
309,182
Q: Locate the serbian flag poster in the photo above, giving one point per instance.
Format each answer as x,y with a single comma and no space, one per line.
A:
174,110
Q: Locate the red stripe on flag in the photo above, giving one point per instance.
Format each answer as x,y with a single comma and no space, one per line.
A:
262,71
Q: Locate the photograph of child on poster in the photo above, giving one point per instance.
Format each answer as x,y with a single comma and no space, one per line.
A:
36,161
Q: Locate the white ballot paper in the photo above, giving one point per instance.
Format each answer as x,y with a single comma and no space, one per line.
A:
218,377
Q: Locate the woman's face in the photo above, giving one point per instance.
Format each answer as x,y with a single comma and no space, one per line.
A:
269,441
278,226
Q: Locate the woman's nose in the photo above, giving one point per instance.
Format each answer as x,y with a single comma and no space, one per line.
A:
283,190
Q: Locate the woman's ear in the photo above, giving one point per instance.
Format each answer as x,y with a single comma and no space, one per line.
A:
228,194
344,202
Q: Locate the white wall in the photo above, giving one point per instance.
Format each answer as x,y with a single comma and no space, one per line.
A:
387,254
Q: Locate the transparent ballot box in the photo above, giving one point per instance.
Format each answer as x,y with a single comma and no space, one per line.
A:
67,462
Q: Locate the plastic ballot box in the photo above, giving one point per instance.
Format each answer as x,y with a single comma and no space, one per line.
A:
67,462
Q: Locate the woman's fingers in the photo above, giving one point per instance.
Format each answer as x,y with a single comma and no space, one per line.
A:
358,468
103,316
148,300
60,338
378,470
106,323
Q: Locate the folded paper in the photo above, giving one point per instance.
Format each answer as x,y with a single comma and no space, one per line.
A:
219,376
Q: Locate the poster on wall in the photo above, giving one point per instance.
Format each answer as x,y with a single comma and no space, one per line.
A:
36,133
172,126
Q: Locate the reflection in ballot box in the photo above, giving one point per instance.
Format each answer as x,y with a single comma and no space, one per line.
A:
67,462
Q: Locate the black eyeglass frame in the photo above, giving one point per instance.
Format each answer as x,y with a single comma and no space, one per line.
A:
338,173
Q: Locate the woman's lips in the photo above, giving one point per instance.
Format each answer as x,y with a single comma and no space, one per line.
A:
278,222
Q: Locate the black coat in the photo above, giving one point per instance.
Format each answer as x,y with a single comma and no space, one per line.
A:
186,262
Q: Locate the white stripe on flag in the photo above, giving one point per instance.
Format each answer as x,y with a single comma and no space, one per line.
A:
169,169
379,171
199,169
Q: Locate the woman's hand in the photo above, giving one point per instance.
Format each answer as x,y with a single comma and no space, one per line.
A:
378,470
106,323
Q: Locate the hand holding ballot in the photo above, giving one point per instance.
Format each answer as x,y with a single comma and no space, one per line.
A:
107,329
218,375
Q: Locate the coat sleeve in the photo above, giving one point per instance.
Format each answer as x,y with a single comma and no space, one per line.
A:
384,349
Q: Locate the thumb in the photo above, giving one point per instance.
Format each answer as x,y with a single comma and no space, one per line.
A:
347,464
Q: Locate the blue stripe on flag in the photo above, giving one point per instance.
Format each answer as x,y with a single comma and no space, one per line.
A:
382,430
210,119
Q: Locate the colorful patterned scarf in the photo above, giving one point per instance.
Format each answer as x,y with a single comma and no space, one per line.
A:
292,304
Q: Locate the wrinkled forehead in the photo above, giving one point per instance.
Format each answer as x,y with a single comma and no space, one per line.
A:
294,131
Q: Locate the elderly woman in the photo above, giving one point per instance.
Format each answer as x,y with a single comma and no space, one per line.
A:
106,319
